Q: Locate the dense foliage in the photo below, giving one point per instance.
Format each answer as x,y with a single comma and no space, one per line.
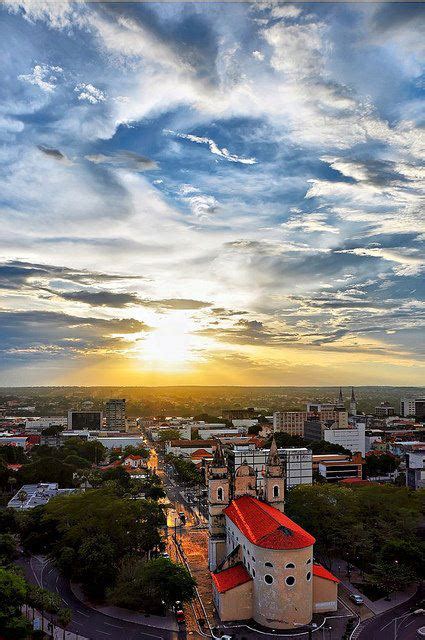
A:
185,470
286,440
144,585
374,527
90,533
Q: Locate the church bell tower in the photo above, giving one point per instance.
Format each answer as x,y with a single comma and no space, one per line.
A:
218,500
274,479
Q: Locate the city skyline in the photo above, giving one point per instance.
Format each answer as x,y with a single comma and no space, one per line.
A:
211,194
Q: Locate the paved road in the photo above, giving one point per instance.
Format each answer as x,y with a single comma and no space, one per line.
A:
384,627
86,621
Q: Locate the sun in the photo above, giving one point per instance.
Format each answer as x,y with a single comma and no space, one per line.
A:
169,345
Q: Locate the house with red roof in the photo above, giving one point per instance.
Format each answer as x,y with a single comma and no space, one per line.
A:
261,561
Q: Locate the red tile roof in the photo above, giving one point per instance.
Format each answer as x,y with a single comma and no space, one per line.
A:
265,526
321,572
230,578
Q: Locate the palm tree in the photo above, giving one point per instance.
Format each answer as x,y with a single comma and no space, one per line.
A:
64,618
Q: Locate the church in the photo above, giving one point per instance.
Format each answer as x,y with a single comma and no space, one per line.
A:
261,562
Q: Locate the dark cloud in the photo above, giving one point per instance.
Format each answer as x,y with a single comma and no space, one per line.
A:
250,332
126,159
53,153
100,298
46,334
16,274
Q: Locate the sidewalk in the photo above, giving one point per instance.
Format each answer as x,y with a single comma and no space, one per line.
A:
57,631
377,607
158,622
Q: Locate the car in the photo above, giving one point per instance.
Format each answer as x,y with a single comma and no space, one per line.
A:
420,633
164,554
356,598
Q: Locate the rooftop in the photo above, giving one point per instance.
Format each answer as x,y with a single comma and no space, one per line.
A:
35,495
231,578
321,572
265,526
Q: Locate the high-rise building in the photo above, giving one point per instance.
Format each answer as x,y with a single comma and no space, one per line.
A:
84,420
412,407
292,422
115,414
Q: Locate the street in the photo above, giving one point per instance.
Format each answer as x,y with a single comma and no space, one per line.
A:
87,622
407,623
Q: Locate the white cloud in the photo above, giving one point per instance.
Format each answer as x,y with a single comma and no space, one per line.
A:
43,76
286,11
202,206
411,264
311,223
89,93
223,152
258,55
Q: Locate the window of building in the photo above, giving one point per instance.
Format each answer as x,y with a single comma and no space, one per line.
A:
268,564
253,573
275,491
308,576
308,561
268,579
220,493
290,565
290,581
253,559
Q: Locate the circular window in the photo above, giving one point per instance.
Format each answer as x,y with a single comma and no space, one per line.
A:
290,565
290,581
308,561
308,576
268,564
268,579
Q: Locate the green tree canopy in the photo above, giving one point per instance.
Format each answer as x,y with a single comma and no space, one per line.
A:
144,585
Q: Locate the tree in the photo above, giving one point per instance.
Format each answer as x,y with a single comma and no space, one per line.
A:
144,585
390,576
13,591
64,618
169,434
96,560
47,470
8,548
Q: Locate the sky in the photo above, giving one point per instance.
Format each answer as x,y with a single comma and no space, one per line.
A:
211,193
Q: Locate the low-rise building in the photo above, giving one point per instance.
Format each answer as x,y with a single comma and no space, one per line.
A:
384,410
335,467
82,420
415,468
187,447
36,495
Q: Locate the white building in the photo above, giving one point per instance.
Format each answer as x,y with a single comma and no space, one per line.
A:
115,414
246,423
207,431
38,424
35,495
297,462
352,438
412,407
415,469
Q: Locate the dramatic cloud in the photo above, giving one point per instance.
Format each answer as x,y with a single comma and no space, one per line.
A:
280,232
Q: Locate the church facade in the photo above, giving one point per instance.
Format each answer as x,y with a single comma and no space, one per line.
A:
261,562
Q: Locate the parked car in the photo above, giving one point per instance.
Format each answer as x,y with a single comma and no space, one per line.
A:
164,554
356,599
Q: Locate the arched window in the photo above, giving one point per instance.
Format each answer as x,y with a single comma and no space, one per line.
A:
308,576
253,573
275,491
308,561
220,493
268,579
290,565
290,581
